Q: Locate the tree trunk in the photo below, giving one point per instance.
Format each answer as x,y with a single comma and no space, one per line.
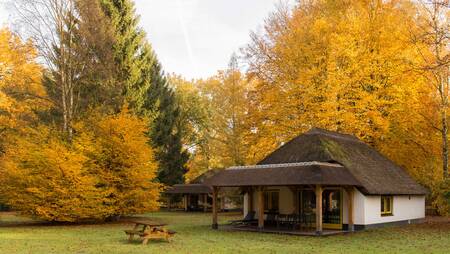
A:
444,143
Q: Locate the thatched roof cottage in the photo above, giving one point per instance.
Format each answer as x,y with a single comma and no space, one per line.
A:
350,183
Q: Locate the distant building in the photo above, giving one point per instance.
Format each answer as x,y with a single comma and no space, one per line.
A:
197,196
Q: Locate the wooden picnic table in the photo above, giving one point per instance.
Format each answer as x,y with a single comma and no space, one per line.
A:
149,230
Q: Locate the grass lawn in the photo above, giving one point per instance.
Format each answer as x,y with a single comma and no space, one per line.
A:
20,235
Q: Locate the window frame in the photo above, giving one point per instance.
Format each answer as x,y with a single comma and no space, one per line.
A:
268,199
387,201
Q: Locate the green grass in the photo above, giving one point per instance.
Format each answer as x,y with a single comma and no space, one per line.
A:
195,236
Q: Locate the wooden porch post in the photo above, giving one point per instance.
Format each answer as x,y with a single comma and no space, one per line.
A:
185,202
214,208
261,208
318,209
350,192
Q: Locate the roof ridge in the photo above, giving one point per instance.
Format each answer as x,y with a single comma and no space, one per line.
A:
332,134
281,165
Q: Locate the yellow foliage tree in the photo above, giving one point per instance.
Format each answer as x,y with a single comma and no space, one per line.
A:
107,170
44,177
122,160
193,123
226,96
340,65
356,66
21,91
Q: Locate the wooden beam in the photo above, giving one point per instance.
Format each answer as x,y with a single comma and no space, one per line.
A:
350,193
318,209
214,208
185,201
261,208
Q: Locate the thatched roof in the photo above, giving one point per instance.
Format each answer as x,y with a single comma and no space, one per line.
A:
201,178
189,189
196,186
375,173
284,174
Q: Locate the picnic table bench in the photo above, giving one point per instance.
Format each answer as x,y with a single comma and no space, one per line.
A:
149,230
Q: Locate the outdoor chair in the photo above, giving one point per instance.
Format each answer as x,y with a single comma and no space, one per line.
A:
248,219
298,221
280,219
271,218
283,220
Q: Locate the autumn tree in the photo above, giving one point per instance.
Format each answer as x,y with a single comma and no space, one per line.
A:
122,160
226,96
376,69
106,170
46,178
97,80
193,124
432,39
341,66
22,96
51,26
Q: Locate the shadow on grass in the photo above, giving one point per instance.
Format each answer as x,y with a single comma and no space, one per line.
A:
14,219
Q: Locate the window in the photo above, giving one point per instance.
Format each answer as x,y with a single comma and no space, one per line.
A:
386,205
271,201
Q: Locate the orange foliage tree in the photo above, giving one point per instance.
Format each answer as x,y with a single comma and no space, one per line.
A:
349,66
21,91
107,170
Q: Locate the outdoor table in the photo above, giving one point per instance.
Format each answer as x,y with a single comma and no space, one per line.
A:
150,230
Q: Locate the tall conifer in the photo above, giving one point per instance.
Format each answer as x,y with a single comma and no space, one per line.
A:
146,89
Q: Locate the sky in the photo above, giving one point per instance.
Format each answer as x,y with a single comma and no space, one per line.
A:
195,38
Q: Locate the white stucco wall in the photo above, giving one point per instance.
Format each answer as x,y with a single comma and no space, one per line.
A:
358,208
404,208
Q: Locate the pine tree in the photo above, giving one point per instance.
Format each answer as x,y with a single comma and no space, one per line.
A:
165,131
133,55
146,89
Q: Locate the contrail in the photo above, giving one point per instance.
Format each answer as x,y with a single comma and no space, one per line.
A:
186,35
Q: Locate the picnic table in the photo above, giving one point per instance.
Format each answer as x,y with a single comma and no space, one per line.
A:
149,230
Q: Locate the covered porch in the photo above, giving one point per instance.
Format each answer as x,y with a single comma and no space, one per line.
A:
311,198
274,230
194,197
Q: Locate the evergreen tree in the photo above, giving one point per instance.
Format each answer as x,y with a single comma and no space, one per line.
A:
133,55
146,89
165,132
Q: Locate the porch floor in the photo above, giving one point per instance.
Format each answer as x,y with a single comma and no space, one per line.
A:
275,230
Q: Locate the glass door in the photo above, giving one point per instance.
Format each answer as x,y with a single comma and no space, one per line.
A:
332,208
307,207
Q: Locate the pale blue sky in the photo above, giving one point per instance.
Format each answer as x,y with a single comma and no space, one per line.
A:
195,38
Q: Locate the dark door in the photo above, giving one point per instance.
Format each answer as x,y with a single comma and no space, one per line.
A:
332,208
